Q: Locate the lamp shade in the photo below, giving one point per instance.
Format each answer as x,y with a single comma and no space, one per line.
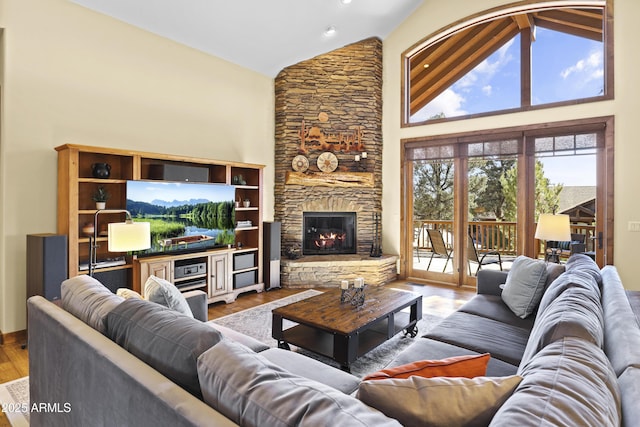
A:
129,236
553,227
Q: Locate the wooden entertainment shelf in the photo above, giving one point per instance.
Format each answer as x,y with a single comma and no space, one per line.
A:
228,271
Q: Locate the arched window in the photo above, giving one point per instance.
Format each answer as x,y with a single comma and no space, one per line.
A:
537,56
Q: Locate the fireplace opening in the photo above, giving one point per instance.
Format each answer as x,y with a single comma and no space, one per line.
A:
328,233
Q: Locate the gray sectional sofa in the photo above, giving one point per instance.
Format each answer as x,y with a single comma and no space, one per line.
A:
137,363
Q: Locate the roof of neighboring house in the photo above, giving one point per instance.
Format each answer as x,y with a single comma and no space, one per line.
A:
579,202
573,196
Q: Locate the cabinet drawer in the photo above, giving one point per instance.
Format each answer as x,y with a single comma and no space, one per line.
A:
247,278
244,261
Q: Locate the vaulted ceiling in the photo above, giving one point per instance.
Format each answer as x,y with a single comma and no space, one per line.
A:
437,66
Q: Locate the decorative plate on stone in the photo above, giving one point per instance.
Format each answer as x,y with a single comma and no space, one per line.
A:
327,162
300,163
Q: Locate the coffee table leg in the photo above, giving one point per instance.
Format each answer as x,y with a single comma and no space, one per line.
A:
344,350
276,332
412,331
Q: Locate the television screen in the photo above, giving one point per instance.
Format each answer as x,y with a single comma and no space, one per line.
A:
184,216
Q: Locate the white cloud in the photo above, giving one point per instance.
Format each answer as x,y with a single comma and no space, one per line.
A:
448,102
588,68
487,90
486,70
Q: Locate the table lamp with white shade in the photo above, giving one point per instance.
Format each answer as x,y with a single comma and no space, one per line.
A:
554,228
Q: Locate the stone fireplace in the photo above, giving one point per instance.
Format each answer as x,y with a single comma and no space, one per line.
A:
329,113
328,233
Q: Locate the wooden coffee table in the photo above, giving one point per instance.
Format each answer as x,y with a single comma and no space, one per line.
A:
342,331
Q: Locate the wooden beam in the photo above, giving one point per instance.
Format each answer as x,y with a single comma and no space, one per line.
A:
335,179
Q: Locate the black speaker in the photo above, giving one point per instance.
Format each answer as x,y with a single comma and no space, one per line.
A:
271,254
46,264
113,279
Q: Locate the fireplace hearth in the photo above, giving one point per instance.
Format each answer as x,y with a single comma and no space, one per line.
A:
329,233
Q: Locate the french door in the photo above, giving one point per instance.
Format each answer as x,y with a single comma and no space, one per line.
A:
471,201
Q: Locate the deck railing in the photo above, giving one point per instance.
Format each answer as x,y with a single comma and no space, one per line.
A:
498,236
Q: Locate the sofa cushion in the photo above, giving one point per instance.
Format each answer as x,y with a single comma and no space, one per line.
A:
569,279
264,394
439,401
621,333
301,365
629,383
88,300
492,307
570,382
427,348
584,263
239,337
524,286
163,338
468,366
577,312
503,341
165,293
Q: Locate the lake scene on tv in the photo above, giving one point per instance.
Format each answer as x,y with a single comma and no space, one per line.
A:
184,216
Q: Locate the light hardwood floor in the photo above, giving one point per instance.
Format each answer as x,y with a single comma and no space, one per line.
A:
437,300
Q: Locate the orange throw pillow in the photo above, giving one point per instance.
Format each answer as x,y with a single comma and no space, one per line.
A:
459,366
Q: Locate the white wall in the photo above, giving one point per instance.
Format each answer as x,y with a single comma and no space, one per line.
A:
74,76
435,15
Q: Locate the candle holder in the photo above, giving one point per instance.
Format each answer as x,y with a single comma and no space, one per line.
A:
353,294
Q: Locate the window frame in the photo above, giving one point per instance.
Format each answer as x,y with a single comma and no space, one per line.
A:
525,60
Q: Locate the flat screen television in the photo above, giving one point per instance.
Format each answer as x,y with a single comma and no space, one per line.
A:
184,216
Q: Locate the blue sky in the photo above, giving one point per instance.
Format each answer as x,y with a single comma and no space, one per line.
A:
564,67
147,191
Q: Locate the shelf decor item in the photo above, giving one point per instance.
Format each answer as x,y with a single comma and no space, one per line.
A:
246,203
101,170
354,295
100,196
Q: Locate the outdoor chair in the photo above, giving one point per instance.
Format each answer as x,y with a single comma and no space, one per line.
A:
416,242
438,247
488,257
555,250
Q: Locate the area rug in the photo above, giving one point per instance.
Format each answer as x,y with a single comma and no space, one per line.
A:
256,322
14,397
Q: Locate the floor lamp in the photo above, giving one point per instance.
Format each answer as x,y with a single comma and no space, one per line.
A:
554,228
122,236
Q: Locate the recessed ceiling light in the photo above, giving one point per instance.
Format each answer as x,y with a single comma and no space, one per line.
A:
331,30
345,1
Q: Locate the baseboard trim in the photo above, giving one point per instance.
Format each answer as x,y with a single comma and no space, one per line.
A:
13,337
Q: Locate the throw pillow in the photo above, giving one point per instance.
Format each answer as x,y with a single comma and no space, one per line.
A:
165,293
127,293
252,391
162,338
524,286
439,401
459,366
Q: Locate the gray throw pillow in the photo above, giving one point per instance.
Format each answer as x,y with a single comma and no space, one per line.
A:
165,293
525,285
162,338
439,401
252,391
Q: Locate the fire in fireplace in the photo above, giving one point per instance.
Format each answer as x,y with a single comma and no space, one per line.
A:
328,233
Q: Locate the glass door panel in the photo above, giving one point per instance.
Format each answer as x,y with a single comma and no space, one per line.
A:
566,183
492,211
433,215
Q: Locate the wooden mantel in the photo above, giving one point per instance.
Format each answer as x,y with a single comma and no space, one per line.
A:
335,179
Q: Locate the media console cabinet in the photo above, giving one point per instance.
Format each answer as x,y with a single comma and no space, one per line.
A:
221,273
